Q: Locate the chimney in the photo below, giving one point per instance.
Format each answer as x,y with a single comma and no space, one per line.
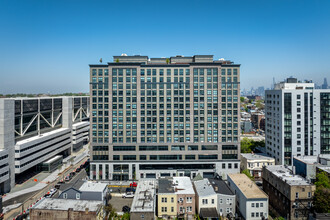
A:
293,170
216,188
86,210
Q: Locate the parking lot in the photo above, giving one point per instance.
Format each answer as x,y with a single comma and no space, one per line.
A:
118,203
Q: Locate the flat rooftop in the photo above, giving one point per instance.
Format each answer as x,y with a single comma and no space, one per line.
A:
145,196
175,185
90,186
325,156
247,186
183,185
307,159
65,204
42,136
286,174
165,186
325,169
204,188
256,157
177,60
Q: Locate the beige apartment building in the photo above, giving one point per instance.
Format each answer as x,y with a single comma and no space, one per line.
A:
157,117
291,195
254,163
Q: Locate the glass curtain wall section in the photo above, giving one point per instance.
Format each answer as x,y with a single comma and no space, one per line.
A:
229,105
311,122
287,128
100,106
306,120
325,123
205,104
165,105
124,98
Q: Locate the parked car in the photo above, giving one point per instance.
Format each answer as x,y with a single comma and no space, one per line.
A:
130,189
128,195
67,178
51,193
134,184
126,209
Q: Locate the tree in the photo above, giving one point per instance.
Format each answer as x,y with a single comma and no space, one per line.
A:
322,194
246,145
322,180
321,200
110,211
248,174
167,61
259,104
125,216
117,60
242,99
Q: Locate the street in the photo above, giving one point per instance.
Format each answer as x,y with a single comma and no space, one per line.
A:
29,199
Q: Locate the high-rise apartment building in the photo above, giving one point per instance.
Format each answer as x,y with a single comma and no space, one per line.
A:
297,120
155,117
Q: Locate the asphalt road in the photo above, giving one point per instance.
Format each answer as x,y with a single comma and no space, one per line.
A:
81,175
19,199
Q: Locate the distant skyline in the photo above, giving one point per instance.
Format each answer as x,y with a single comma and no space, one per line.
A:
46,46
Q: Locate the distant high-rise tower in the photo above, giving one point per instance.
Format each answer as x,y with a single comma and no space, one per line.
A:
273,85
325,84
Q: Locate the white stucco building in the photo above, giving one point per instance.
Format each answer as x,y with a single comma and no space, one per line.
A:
297,120
252,202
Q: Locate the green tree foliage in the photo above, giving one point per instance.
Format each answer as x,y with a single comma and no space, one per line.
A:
322,200
242,99
248,174
125,216
322,193
259,104
117,60
322,180
167,61
248,145
279,218
110,211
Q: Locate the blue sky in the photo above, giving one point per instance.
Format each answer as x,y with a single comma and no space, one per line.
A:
46,46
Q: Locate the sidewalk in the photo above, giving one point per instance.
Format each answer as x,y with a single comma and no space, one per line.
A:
52,177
